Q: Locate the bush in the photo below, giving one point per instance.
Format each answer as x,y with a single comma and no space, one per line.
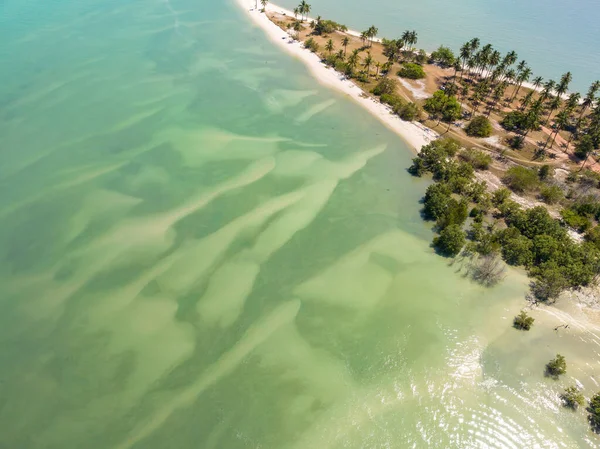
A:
455,213
594,412
572,397
450,241
394,100
545,172
433,156
478,159
437,197
575,220
480,126
411,71
446,106
443,56
514,121
421,57
387,86
409,112
520,179
323,26
311,44
517,250
523,321
500,196
551,194
516,142
556,367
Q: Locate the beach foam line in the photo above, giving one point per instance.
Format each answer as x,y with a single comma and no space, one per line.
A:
415,134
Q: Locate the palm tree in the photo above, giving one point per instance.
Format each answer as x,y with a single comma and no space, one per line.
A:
548,88
296,12
465,55
304,9
526,100
474,44
353,59
522,76
264,4
329,46
373,30
537,82
363,37
498,94
561,121
405,39
560,89
367,62
378,66
345,43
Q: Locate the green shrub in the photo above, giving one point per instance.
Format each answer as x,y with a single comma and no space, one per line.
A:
409,112
394,100
517,251
500,196
450,241
520,179
523,321
421,57
455,213
311,44
514,121
551,194
593,410
545,172
441,104
323,26
556,367
480,126
575,220
433,156
443,56
387,86
411,71
437,197
572,397
516,142
478,159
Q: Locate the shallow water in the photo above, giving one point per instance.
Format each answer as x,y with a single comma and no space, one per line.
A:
553,36
202,247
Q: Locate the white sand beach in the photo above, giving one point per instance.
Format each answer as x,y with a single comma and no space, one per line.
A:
415,134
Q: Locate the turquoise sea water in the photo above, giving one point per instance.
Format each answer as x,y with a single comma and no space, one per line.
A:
553,36
200,247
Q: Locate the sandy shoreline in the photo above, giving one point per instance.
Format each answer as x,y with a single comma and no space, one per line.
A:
415,134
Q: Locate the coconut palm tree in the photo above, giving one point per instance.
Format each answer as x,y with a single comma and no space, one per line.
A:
522,76
497,96
368,61
465,55
340,54
345,43
561,121
537,82
373,30
560,89
378,67
329,46
353,59
526,100
474,44
264,4
547,90
296,12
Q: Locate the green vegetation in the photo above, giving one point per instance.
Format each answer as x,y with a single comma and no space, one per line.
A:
386,90
593,410
443,56
529,238
450,241
478,159
572,398
523,321
323,26
551,194
480,126
444,106
556,367
412,71
311,44
521,179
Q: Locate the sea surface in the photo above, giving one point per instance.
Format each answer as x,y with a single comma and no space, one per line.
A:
553,36
201,247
